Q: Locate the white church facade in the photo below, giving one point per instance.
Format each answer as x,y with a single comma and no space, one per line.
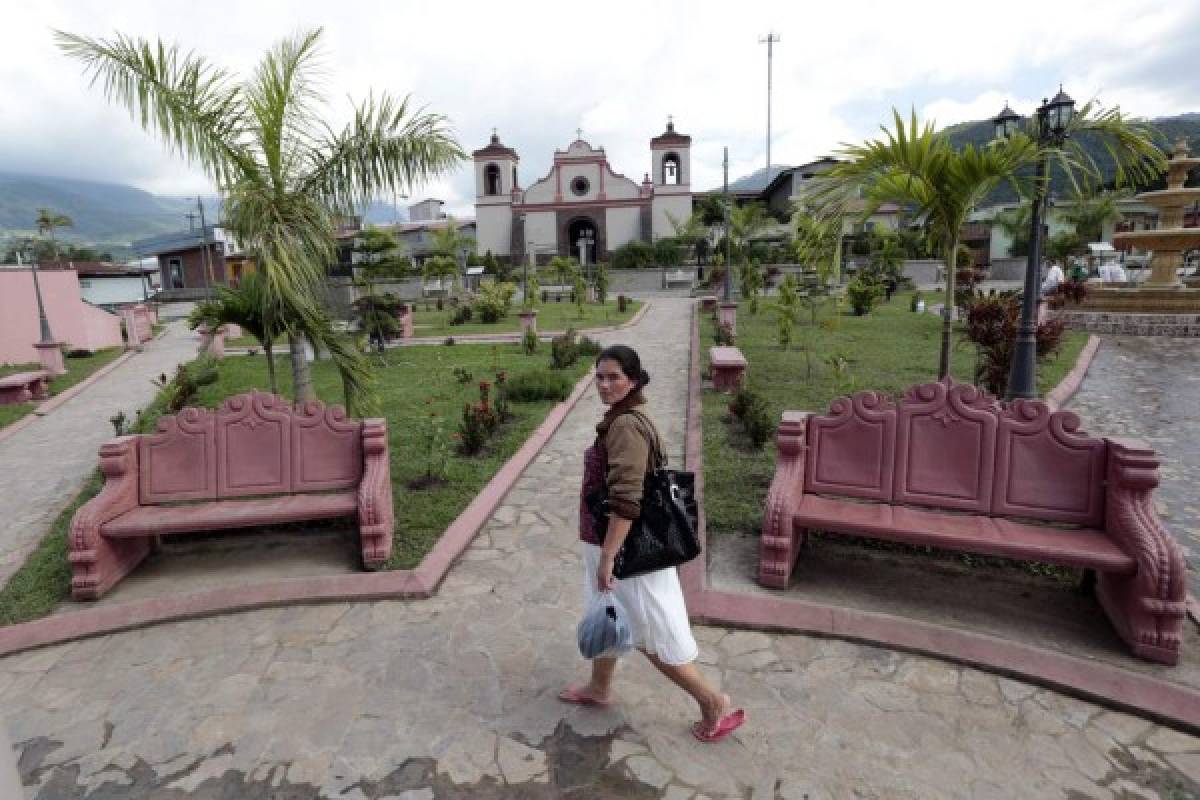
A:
582,206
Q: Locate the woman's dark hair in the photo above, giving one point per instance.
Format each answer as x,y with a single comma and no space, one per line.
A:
627,358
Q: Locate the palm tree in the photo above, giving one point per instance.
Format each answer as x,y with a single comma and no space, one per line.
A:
242,306
1015,223
917,167
1088,212
286,175
47,221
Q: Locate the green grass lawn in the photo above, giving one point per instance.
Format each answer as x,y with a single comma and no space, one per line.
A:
411,382
551,317
888,351
78,369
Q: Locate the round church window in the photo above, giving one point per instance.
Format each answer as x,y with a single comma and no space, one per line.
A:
580,186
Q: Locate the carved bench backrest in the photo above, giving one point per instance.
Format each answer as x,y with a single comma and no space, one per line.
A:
946,447
1046,469
851,449
254,444
953,446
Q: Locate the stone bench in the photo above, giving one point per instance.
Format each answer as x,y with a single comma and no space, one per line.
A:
950,467
558,293
679,276
728,368
22,387
254,461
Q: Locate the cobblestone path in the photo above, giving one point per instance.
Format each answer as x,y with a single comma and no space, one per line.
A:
43,465
1148,387
454,697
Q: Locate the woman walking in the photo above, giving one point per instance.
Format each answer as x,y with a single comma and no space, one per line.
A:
626,442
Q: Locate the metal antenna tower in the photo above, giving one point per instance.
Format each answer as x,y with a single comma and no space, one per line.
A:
770,39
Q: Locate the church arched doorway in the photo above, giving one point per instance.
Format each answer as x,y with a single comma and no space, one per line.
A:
581,240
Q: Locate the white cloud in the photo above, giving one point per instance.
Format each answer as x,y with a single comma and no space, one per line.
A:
539,70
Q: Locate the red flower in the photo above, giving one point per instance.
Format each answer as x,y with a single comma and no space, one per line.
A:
484,385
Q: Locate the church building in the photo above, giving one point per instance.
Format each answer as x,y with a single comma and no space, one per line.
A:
582,207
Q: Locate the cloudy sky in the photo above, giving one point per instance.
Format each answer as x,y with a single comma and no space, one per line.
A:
538,71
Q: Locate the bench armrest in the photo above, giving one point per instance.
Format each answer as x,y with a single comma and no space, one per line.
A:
376,516
778,548
95,562
1149,605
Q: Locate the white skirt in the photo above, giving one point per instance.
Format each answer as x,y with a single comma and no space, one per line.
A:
657,613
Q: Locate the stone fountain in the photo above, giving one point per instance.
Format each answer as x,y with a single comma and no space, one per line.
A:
1163,292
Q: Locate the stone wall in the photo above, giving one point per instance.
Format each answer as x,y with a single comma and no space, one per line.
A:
1131,324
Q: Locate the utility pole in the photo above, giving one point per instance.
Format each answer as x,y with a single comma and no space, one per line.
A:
770,39
204,254
728,250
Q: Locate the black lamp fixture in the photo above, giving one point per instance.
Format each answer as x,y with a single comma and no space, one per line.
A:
1006,122
1053,121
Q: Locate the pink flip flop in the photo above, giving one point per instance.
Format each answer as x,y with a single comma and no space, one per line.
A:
724,726
575,696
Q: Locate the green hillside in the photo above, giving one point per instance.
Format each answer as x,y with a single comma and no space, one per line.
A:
1172,129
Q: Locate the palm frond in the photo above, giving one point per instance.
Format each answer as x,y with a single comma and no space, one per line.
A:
191,104
283,97
384,147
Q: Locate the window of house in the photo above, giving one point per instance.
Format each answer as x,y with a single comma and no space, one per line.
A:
491,179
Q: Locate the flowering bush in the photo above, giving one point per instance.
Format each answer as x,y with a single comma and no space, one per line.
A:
433,444
479,421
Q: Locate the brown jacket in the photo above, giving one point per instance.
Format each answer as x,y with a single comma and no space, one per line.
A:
627,439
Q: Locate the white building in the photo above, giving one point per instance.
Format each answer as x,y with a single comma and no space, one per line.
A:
582,204
114,285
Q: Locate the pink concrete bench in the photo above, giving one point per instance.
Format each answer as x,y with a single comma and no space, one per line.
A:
950,467
254,461
728,368
21,387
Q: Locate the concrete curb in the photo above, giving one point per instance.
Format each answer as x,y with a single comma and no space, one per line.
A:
1057,397
1104,684
58,399
421,582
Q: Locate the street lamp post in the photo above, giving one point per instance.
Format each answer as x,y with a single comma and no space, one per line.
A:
1053,118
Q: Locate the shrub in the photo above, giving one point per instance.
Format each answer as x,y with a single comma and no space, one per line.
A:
529,342
622,304
433,444
463,375
991,325
751,409
494,302
588,347
601,283
863,295
1070,291
479,422
441,304
179,390
563,350
538,385
449,342
502,398
461,315
914,301
966,279
724,335
633,254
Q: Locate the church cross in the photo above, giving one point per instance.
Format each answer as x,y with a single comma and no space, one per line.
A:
579,133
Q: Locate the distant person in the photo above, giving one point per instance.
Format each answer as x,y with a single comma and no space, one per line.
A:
1054,278
1113,272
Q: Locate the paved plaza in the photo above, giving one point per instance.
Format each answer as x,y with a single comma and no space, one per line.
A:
43,465
454,697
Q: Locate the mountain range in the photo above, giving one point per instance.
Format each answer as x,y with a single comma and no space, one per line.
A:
108,215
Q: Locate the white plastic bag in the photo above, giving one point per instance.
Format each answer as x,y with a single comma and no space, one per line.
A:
604,631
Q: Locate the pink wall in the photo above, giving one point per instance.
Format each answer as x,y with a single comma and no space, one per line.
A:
71,319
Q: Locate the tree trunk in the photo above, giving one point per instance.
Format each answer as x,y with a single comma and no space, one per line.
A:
948,310
271,379
302,389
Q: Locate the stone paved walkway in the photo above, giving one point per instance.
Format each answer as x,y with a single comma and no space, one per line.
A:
454,697
43,465
1149,387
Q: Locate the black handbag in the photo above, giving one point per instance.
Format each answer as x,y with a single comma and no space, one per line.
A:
664,535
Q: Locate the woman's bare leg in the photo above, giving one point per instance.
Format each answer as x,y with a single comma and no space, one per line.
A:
713,704
599,687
